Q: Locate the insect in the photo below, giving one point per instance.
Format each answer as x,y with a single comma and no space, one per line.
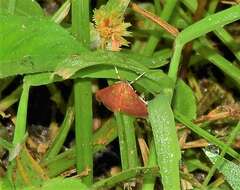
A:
121,97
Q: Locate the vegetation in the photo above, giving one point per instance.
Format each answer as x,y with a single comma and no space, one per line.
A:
181,57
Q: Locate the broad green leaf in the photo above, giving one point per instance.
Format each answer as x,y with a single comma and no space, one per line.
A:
24,50
61,183
23,8
166,141
31,45
184,100
230,170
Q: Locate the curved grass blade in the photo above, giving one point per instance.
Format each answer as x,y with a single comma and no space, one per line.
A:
204,26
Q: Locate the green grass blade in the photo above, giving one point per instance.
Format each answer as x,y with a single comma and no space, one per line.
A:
127,141
230,170
218,163
103,136
11,99
149,180
125,175
195,128
218,60
83,96
5,144
208,24
122,141
61,136
203,26
166,141
20,129
62,12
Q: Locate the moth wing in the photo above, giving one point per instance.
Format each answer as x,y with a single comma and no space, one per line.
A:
131,103
110,96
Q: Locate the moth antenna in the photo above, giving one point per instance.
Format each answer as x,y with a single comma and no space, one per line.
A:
138,77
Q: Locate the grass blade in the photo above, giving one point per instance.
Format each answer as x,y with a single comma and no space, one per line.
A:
83,96
166,141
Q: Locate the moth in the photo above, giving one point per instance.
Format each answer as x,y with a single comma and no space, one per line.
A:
121,97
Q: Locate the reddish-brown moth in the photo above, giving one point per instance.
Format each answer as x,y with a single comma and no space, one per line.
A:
121,97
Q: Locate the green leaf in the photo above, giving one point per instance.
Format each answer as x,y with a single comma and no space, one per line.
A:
166,141
184,100
5,184
230,170
25,50
23,8
61,183
31,45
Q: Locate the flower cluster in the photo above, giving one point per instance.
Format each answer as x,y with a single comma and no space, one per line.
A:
111,29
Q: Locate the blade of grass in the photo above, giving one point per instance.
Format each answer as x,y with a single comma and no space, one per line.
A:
218,60
166,141
127,141
149,180
20,129
61,12
203,26
102,137
195,128
125,175
5,144
220,32
21,122
229,169
83,96
62,134
220,161
11,99
122,141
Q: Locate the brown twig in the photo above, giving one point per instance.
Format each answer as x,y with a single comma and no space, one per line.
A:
166,26
195,144
221,112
